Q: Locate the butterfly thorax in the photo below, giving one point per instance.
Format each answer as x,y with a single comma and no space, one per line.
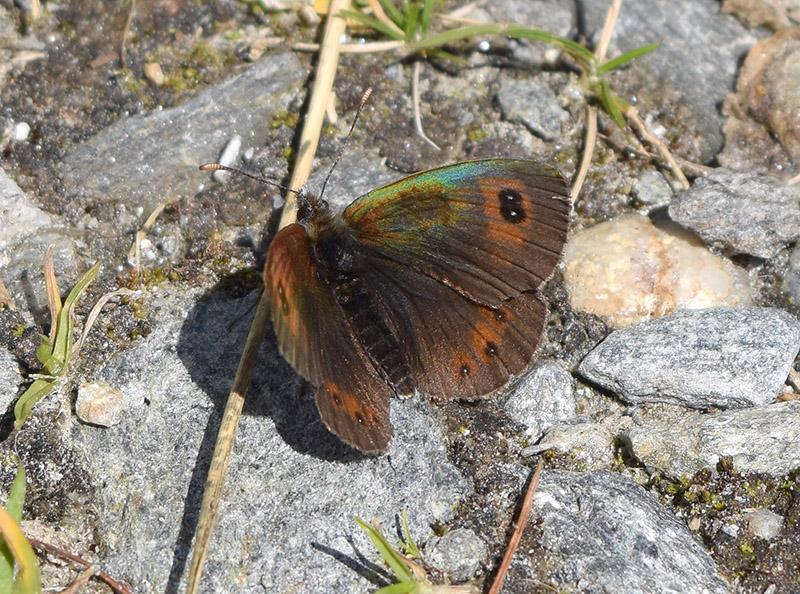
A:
340,263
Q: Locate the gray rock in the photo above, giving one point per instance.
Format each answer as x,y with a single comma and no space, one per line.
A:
791,277
19,217
542,399
762,439
590,445
723,357
10,379
605,533
743,212
24,274
151,157
458,553
292,488
652,189
533,104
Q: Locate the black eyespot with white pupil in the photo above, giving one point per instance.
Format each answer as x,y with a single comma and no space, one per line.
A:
511,207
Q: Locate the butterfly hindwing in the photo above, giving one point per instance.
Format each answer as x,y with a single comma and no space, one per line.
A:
315,337
490,229
454,347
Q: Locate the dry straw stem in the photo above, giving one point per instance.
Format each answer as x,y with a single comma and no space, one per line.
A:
591,112
323,83
630,113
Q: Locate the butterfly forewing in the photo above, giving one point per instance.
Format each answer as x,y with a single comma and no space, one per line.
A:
315,337
490,229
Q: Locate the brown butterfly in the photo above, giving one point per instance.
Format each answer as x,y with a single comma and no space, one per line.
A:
429,283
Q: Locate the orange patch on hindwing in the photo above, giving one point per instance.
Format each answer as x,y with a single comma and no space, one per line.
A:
349,405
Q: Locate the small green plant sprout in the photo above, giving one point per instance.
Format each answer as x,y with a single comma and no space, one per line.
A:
59,348
411,576
19,568
409,26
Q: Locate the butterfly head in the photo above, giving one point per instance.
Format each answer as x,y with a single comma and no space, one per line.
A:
313,212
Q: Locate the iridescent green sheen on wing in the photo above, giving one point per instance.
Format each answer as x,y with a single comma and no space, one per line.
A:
452,224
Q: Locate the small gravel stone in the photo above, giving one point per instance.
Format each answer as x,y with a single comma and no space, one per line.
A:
544,398
722,357
227,157
99,404
589,444
21,131
743,212
762,439
458,553
764,523
153,72
652,189
533,104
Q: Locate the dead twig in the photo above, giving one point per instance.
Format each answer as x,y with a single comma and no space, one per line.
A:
59,552
513,542
125,31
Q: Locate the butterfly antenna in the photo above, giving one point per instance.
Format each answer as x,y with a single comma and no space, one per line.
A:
263,180
364,98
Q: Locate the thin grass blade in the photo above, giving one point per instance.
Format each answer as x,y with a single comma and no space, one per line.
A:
628,56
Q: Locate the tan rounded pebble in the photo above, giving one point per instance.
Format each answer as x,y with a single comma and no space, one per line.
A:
628,270
153,72
99,404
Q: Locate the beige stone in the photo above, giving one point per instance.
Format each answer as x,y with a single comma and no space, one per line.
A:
628,270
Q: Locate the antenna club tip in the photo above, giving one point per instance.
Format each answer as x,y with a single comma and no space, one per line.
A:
210,167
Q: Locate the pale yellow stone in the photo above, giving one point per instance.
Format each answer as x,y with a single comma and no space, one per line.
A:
628,270
153,72
99,404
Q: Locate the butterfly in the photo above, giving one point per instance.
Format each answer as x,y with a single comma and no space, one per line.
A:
428,284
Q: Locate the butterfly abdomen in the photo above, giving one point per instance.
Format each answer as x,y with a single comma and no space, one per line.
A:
374,335
363,314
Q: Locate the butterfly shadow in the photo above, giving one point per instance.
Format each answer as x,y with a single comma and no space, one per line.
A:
210,343
358,563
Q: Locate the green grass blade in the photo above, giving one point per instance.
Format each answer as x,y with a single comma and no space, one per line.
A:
609,101
458,34
44,351
576,50
410,546
393,13
62,347
28,580
81,285
412,20
393,560
628,56
14,547
428,7
398,588
16,496
373,23
35,392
